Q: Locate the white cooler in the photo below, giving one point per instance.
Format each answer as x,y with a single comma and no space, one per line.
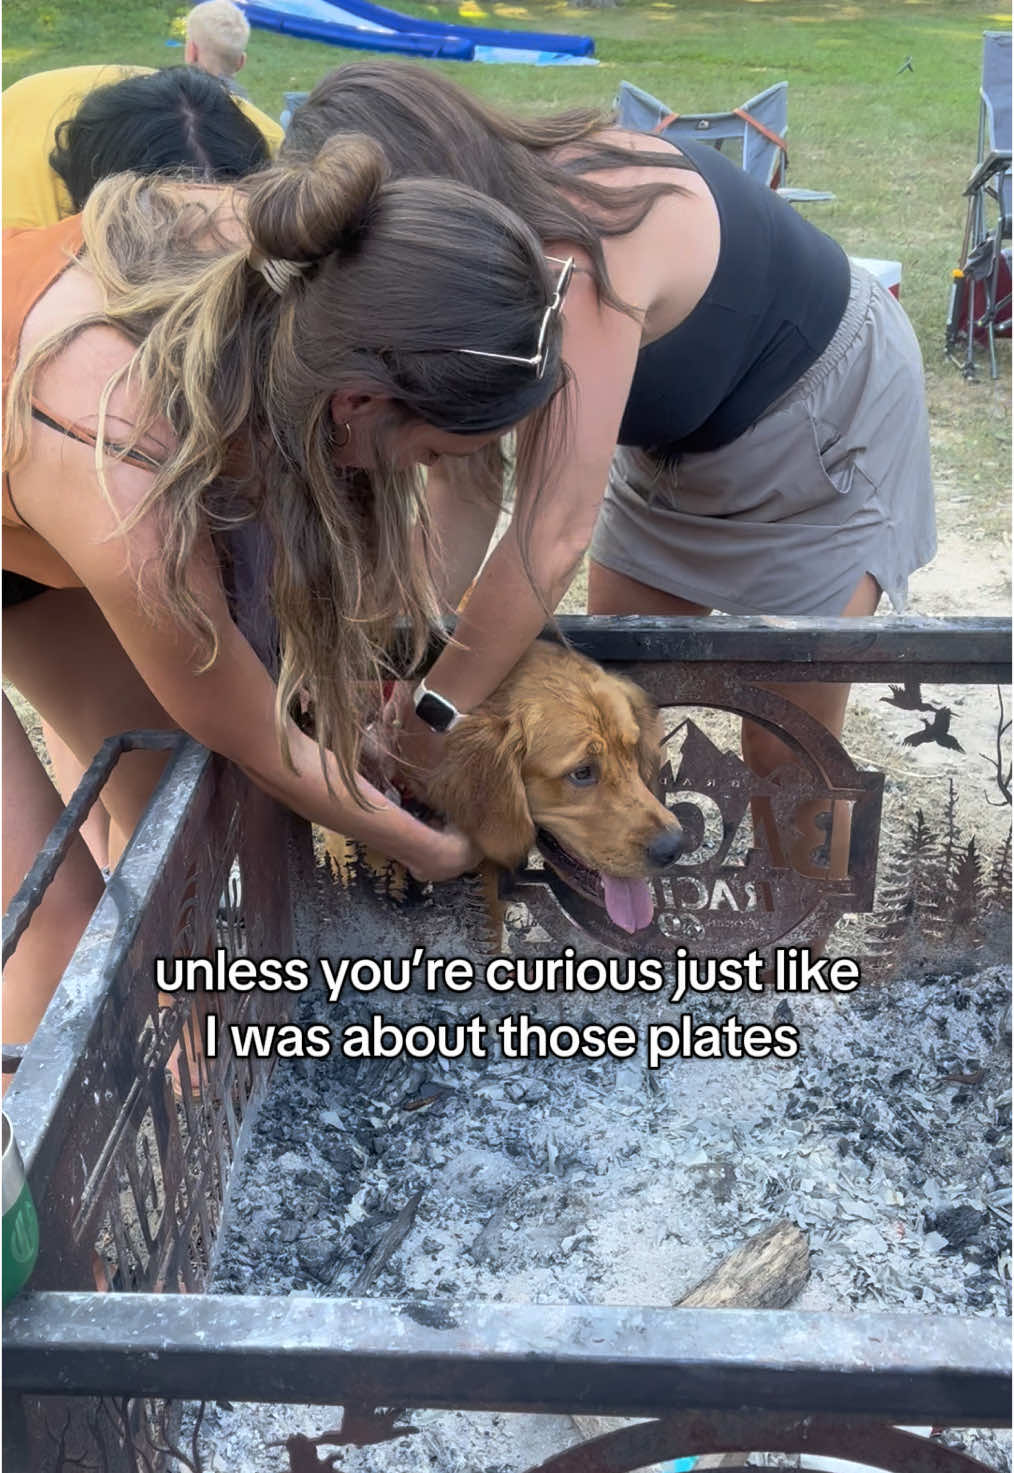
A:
888,273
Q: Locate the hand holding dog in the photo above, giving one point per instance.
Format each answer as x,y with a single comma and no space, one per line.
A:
409,753
450,854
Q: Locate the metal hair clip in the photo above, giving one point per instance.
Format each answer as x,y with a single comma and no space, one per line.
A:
276,272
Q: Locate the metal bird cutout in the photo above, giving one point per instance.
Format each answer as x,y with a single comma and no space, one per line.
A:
908,697
937,731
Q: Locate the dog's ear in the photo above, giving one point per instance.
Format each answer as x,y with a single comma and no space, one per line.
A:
480,789
649,742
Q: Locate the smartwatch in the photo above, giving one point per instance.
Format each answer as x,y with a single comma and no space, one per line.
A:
436,711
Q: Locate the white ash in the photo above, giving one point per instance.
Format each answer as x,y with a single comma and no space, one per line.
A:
548,1181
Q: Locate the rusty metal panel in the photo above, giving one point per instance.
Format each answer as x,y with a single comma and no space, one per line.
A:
127,1140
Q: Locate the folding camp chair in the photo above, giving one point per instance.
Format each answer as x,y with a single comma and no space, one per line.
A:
980,301
758,128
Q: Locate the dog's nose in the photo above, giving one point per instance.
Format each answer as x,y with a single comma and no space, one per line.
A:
666,849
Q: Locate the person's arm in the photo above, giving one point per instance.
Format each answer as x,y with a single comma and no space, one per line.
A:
552,525
464,498
229,707
660,269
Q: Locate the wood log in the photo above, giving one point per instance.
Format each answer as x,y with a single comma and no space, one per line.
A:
388,1245
768,1271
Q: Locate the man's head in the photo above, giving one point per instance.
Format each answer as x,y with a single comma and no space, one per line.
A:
217,35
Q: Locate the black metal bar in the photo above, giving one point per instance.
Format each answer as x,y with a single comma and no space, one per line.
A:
60,837
972,651
535,1358
977,648
668,673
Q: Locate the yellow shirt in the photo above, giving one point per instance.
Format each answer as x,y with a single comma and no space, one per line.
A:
32,110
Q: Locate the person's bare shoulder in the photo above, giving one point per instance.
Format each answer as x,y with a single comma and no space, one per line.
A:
635,143
71,384
663,266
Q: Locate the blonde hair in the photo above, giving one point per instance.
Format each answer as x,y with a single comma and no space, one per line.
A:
394,278
221,28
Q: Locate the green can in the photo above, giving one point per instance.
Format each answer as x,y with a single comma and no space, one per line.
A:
20,1224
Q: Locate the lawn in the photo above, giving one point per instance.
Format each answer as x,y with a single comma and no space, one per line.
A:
894,143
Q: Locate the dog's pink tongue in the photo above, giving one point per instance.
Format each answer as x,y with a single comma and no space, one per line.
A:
629,903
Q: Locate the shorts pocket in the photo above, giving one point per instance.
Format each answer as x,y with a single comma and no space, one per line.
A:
838,462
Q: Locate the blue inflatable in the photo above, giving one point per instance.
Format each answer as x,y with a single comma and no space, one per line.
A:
368,27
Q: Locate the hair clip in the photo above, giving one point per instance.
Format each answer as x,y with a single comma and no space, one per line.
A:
276,272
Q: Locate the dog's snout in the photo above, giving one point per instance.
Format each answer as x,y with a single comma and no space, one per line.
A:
666,849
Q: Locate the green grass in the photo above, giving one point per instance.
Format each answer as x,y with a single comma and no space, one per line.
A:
895,147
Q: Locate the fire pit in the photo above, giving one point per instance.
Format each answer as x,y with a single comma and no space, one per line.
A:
466,1234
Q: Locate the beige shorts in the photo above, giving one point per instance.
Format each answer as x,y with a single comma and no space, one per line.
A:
832,482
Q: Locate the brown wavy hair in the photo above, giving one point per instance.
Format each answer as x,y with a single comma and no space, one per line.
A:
394,278
540,167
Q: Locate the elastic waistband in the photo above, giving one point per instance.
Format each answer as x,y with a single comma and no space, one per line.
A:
856,309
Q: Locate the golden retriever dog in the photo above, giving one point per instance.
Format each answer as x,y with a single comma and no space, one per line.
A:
564,755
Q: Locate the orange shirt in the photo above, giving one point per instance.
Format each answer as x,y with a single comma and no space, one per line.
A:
32,261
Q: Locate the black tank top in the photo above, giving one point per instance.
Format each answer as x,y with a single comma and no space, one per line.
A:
772,306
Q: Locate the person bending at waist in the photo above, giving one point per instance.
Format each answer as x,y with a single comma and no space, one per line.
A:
743,424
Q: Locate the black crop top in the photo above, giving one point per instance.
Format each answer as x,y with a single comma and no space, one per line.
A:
772,306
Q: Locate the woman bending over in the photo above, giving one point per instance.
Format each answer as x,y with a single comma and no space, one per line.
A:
746,412
182,362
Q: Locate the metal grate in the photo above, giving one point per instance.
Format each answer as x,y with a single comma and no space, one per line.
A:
127,1129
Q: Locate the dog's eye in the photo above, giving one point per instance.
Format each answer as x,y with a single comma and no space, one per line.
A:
583,777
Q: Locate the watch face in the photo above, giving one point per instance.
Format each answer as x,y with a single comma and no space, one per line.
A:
435,711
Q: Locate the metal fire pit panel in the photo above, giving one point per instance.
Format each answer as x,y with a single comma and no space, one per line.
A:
788,889
130,1179
792,885
56,845
128,1167
491,1357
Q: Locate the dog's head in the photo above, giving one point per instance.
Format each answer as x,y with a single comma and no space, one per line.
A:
566,755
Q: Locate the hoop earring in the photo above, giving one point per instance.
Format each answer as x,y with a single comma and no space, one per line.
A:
340,444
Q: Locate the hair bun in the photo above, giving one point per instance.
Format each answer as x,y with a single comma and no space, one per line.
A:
307,209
